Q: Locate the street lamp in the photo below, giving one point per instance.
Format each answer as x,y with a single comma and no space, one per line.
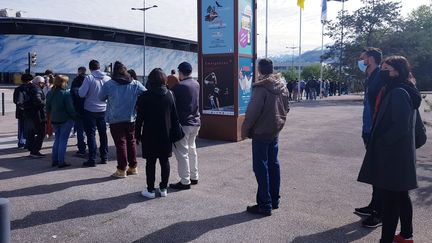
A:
143,9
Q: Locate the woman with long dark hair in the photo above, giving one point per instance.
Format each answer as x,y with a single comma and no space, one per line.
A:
155,118
389,163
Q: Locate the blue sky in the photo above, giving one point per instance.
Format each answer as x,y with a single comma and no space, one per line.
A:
178,17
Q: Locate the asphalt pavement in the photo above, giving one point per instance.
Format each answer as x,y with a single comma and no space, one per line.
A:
320,152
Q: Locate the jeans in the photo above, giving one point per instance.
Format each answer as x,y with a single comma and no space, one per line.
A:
35,132
93,121
62,132
151,170
21,133
124,139
267,172
186,155
79,128
395,206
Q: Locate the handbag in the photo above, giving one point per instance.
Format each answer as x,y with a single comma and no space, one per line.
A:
176,131
420,130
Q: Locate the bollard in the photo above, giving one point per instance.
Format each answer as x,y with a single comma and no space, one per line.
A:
3,105
5,236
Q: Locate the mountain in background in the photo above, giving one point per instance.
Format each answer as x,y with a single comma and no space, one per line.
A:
309,57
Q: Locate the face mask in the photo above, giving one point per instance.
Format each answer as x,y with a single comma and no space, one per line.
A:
385,76
361,65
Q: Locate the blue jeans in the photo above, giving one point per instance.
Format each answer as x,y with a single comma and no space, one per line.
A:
93,121
21,133
79,128
267,172
62,132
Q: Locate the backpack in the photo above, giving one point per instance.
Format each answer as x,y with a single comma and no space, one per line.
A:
420,130
24,102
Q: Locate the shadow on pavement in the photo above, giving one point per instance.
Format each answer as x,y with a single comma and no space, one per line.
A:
347,233
191,230
23,166
78,209
202,143
424,193
45,189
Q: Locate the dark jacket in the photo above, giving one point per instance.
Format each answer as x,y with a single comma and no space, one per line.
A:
268,108
59,105
37,111
155,116
78,102
390,157
18,100
187,100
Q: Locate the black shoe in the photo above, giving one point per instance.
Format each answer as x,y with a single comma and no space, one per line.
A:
64,165
275,206
88,164
103,162
256,210
180,186
54,164
194,182
372,221
37,155
365,211
80,154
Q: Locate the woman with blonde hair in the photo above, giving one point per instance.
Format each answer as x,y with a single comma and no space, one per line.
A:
60,107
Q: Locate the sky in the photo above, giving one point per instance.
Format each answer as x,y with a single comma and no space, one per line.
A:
178,18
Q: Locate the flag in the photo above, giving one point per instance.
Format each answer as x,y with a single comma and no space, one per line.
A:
300,3
323,11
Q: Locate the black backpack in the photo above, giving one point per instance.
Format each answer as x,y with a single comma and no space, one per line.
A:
420,130
24,102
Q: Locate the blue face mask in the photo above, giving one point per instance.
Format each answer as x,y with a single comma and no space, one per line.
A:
361,65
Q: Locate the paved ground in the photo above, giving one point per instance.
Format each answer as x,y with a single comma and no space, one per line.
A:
320,153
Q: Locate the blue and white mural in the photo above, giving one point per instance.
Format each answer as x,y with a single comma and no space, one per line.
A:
65,55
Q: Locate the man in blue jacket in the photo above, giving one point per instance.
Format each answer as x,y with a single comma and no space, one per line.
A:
369,62
94,114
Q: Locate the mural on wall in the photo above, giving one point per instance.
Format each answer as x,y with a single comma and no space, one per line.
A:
65,55
245,26
246,68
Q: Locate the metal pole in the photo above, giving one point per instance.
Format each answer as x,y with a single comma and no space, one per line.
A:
144,42
321,61
29,63
5,236
341,47
266,34
299,59
3,105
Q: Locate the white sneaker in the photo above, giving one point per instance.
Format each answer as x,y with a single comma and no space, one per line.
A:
163,192
148,194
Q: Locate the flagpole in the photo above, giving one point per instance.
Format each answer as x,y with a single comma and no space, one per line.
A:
321,61
299,57
266,33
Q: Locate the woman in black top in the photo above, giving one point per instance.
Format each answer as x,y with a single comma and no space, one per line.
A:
389,163
156,114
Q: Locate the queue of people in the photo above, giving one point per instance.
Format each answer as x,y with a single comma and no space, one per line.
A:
164,118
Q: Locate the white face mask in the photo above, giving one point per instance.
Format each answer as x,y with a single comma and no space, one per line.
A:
361,65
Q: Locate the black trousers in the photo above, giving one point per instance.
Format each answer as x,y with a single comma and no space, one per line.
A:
151,171
395,206
35,135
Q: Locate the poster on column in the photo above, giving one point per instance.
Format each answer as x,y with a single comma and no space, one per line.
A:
217,26
218,85
246,27
246,68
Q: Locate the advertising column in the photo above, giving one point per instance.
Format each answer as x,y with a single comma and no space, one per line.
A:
226,36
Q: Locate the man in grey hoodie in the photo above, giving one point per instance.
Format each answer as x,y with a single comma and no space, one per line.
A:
94,113
265,117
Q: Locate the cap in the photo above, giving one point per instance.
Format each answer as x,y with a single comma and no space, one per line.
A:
185,67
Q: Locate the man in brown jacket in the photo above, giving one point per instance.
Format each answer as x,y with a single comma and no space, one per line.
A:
265,117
